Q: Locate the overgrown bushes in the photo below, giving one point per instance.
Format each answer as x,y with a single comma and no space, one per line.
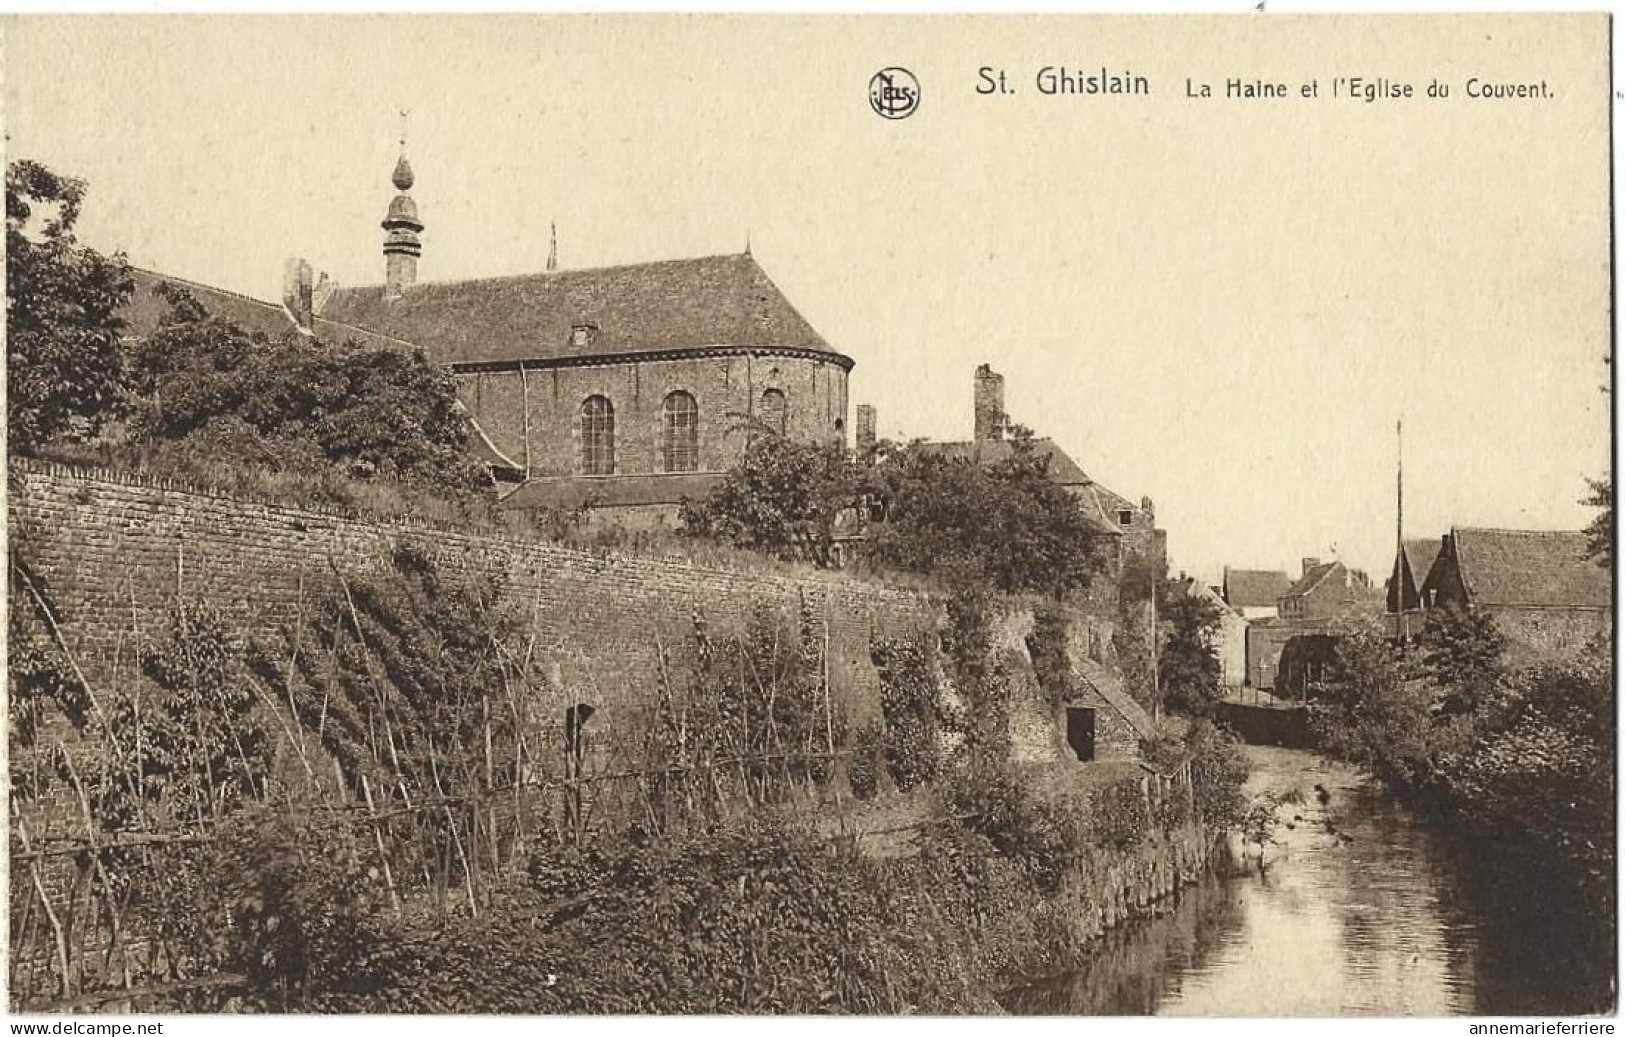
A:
1524,756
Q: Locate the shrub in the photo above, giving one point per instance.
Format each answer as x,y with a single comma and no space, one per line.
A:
990,800
1218,772
908,702
1120,817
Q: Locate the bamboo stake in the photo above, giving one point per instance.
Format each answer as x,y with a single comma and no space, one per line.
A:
383,855
50,913
468,878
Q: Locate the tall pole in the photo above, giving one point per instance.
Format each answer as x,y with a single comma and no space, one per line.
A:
1156,678
1401,563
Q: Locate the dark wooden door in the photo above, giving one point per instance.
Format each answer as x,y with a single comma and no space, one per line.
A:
1080,731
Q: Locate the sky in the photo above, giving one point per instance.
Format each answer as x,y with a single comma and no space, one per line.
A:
1223,305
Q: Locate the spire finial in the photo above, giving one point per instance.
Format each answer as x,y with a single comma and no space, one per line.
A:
553,245
747,241
402,178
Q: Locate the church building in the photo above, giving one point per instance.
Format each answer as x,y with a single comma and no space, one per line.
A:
628,388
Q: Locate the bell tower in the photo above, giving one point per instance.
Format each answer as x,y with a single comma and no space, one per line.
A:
402,246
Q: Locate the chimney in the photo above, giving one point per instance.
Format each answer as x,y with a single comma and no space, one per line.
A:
989,405
297,289
1309,563
866,428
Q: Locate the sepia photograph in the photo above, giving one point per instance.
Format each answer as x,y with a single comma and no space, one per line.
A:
775,514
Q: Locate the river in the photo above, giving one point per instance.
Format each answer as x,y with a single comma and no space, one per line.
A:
1361,908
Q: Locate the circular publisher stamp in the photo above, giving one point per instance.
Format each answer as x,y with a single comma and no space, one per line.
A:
894,93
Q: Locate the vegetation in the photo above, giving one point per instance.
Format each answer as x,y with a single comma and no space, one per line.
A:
64,366
1600,530
1005,524
783,499
201,396
1522,755
1188,668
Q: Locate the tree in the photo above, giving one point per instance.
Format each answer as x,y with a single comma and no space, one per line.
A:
1007,523
783,499
299,404
1461,651
63,370
1600,531
1377,712
1188,668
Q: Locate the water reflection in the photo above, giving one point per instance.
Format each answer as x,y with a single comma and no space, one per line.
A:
1361,909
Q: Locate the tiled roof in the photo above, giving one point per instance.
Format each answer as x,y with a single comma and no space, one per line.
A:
1311,579
1110,688
643,308
611,491
1062,469
1525,567
1254,588
1419,555
145,309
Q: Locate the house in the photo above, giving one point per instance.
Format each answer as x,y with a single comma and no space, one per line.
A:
1254,593
1229,638
1545,593
1325,589
622,387
1405,607
1322,601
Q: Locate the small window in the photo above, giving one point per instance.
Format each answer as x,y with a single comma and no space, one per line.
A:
773,410
680,433
1125,517
597,436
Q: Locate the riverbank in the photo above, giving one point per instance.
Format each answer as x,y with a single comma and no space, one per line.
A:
1363,906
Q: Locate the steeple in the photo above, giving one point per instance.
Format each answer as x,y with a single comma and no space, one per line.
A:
553,246
402,227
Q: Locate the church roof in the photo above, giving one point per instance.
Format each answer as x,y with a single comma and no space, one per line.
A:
715,301
1526,567
146,308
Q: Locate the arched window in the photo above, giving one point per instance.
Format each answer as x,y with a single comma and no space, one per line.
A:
597,436
680,433
773,410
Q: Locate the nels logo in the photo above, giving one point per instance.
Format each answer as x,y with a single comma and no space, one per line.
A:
894,93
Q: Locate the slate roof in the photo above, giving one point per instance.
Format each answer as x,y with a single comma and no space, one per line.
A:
642,308
145,309
1254,588
611,491
1527,567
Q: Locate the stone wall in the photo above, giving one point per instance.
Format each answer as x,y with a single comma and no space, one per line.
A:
1534,633
534,416
114,553
1038,724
